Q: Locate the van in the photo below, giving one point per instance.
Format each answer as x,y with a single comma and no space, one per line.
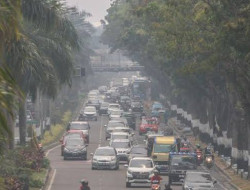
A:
160,154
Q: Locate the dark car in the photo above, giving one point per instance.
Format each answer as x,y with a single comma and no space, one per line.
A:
96,103
179,164
138,151
136,106
131,119
75,148
104,108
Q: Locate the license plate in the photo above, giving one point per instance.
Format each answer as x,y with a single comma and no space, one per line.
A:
141,176
103,164
181,176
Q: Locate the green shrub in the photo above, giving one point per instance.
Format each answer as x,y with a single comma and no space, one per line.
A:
45,163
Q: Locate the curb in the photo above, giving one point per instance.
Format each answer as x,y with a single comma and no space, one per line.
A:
46,179
220,170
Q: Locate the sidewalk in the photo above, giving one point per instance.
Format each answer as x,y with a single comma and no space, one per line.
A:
235,180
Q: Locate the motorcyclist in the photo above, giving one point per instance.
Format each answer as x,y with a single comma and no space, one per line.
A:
185,141
84,185
198,147
156,177
208,151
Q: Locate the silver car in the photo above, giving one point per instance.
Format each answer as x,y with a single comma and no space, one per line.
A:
111,127
105,158
140,170
195,180
122,147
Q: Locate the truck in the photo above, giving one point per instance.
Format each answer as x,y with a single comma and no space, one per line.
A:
160,153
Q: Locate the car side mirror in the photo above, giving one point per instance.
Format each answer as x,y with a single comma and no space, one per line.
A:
214,182
86,145
125,165
105,125
91,154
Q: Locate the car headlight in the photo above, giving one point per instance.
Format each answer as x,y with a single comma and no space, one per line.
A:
113,159
129,172
66,150
95,160
186,187
83,149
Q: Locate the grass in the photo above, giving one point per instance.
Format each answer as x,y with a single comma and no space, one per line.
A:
56,131
37,178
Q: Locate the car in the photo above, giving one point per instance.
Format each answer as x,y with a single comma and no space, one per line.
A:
115,114
75,148
89,113
93,94
111,127
195,180
130,118
119,135
105,158
81,125
120,120
139,150
94,102
140,170
136,106
122,147
102,89
113,107
104,108
76,135
179,164
123,129
148,124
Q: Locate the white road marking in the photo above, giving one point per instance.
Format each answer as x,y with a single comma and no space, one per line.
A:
52,179
100,135
47,153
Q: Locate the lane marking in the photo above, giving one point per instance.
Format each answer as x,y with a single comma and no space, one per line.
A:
100,135
52,179
47,153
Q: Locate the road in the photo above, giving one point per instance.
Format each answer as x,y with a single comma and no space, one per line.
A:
66,175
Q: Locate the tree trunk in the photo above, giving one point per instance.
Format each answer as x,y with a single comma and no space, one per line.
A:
11,123
22,122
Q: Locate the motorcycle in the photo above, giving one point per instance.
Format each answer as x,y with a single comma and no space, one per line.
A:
209,161
199,157
155,185
185,148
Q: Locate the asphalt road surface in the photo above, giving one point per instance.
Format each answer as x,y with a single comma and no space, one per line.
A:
66,175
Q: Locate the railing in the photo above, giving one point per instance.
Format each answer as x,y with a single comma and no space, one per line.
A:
117,68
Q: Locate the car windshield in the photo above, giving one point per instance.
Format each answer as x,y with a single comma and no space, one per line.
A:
141,163
138,150
162,148
183,162
105,152
115,124
151,122
199,178
90,109
79,126
116,136
116,112
114,106
94,101
104,104
120,144
74,142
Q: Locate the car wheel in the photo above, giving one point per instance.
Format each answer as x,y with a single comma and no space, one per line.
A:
65,158
117,167
128,184
92,168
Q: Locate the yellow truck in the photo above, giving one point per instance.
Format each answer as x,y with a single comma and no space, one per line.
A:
160,154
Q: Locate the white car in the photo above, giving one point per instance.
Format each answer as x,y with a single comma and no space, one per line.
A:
122,147
113,107
140,170
90,113
119,135
115,114
105,158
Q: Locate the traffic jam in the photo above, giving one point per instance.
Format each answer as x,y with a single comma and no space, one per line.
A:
138,139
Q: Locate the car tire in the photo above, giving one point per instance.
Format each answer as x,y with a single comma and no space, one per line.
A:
64,158
117,167
92,168
128,184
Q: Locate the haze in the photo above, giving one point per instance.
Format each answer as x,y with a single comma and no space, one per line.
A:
98,8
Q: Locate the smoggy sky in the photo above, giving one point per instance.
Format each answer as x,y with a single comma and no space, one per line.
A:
95,7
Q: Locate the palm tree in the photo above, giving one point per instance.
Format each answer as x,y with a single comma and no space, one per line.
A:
41,58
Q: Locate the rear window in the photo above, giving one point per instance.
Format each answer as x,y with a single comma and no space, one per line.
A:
78,126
